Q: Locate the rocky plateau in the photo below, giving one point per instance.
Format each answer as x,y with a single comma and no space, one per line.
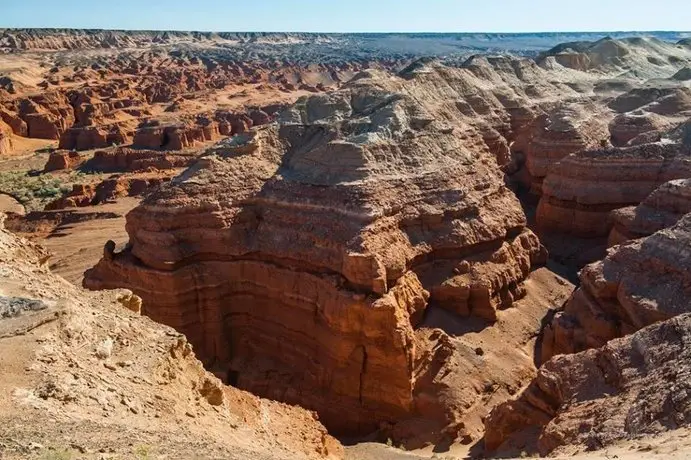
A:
278,245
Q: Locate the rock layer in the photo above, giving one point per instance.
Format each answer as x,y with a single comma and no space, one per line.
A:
661,209
6,145
300,258
631,387
581,190
637,284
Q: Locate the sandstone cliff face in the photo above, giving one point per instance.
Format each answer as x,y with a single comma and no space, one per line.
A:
581,190
631,387
300,258
661,209
637,284
569,128
102,377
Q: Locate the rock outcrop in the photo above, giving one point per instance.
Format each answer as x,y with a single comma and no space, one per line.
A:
300,258
629,388
647,56
6,145
639,283
109,189
570,128
661,209
62,159
582,189
137,160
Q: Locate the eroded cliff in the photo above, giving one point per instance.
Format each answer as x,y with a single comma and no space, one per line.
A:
300,258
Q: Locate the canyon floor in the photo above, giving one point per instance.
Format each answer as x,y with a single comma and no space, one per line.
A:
344,246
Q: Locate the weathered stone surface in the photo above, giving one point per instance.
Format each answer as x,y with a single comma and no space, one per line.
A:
6,144
61,159
109,189
581,190
300,258
137,160
631,387
661,209
568,129
637,284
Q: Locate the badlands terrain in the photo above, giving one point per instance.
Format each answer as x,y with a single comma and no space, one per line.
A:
344,246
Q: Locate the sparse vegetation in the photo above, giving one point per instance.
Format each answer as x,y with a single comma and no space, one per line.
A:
143,452
35,191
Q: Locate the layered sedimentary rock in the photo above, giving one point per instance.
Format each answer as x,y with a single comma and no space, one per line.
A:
629,128
100,387
62,159
649,56
661,209
568,129
107,190
163,97
299,258
582,189
631,387
137,160
637,284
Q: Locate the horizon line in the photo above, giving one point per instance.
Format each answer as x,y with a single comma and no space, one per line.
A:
402,32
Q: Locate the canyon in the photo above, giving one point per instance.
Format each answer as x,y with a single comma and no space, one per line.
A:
471,247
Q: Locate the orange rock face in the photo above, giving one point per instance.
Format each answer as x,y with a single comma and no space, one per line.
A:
136,160
580,191
637,284
61,159
661,209
6,145
631,387
299,259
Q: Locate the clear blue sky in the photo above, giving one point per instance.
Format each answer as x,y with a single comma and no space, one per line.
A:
352,15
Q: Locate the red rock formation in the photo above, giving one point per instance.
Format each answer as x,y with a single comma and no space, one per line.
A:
299,259
135,160
108,190
637,284
629,388
61,159
580,191
6,145
80,195
661,209
625,128
17,124
568,129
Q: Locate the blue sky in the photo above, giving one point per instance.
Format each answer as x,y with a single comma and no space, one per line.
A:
352,15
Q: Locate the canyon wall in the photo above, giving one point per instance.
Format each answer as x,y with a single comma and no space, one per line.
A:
661,209
582,189
630,388
619,387
300,258
637,284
